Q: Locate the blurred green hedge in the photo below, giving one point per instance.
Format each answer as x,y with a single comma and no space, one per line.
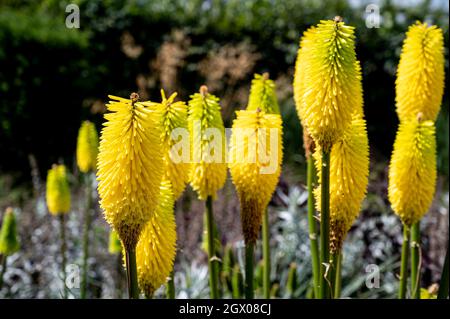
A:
52,77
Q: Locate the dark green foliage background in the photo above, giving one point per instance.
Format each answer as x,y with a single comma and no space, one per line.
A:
48,71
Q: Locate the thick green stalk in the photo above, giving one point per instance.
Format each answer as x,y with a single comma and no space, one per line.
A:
415,261
170,288
325,227
3,270
62,226
132,281
338,277
443,284
266,255
314,247
87,223
212,258
249,292
404,263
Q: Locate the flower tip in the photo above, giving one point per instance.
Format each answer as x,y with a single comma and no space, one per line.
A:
338,19
134,97
419,117
265,76
203,90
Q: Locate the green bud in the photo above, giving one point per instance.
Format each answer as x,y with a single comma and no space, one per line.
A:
9,240
115,245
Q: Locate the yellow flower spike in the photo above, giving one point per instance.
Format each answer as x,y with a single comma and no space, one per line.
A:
349,171
412,170
331,80
129,167
58,191
255,177
87,147
263,95
172,115
155,251
208,171
299,85
420,73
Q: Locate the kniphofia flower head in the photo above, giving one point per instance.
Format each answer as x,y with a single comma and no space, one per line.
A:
420,73
155,251
412,170
349,172
207,138
9,240
129,167
263,95
58,191
172,116
255,163
331,79
87,147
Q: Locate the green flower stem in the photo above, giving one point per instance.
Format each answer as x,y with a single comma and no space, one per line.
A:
63,252
212,258
249,292
87,223
443,285
404,263
132,281
314,247
2,273
337,276
266,254
170,288
415,261
325,227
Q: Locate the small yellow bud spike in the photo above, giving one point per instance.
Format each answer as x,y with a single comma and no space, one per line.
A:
129,167
420,73
87,147
172,115
155,252
58,192
208,171
263,95
349,171
412,170
331,79
255,161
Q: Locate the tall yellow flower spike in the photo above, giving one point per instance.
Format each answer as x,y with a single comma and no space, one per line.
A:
299,85
263,95
208,171
349,176
172,115
420,73
255,165
155,251
129,167
58,191
412,171
87,147
332,78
